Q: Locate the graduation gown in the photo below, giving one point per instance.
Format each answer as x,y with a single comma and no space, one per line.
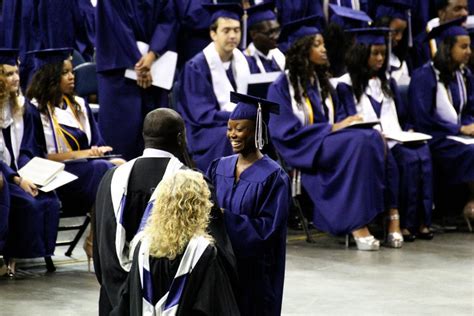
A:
120,24
112,270
33,221
78,196
206,120
4,212
342,172
207,289
259,63
433,113
255,211
409,170
289,11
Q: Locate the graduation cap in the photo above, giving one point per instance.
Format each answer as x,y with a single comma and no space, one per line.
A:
397,9
224,10
293,31
370,35
261,12
449,29
9,56
348,18
255,109
51,56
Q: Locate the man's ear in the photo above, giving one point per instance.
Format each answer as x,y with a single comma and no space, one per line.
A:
179,139
213,35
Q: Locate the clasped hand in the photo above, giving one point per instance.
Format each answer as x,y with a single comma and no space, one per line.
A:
99,150
142,68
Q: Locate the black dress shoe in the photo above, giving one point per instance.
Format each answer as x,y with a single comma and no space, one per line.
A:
409,238
425,236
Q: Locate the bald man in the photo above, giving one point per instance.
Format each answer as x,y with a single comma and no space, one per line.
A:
125,198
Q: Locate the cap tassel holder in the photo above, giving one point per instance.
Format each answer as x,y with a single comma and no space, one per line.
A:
259,139
410,32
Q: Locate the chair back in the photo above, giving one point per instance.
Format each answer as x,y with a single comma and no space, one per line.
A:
86,79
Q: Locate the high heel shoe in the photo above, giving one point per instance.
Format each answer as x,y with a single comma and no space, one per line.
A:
88,250
469,214
394,239
11,268
368,243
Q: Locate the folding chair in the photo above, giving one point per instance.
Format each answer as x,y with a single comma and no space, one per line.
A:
86,84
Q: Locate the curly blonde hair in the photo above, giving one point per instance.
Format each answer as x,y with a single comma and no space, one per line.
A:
181,211
4,94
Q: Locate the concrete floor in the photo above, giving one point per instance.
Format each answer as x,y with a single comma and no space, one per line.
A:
424,278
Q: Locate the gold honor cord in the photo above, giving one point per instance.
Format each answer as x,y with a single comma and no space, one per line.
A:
310,111
60,132
73,109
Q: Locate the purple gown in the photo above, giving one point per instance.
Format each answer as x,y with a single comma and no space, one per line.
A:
120,24
78,196
409,175
342,172
206,124
4,212
33,221
256,209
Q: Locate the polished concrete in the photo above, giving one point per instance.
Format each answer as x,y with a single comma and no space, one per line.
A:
323,278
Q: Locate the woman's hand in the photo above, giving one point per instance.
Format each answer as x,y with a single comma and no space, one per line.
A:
27,186
142,68
346,122
467,130
99,150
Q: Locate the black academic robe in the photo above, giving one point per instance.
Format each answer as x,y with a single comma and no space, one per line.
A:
208,290
145,176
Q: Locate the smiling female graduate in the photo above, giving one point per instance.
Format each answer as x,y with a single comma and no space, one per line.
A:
254,193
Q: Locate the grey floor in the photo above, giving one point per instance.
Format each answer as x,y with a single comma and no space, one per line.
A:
424,278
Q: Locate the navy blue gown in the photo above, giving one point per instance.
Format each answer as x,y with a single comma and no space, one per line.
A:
342,172
4,212
256,209
409,170
120,24
451,159
33,221
77,196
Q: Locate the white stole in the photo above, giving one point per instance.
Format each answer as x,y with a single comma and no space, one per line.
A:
300,111
401,74
118,192
444,105
220,82
194,250
17,129
274,54
64,117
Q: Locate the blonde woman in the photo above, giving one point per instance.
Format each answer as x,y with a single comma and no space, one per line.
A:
175,266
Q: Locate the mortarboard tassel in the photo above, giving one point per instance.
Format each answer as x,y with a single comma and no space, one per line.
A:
389,53
410,32
243,43
259,140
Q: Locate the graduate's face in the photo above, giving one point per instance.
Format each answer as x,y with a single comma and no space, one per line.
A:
265,38
317,52
241,134
454,9
376,57
398,26
67,78
227,35
461,50
12,76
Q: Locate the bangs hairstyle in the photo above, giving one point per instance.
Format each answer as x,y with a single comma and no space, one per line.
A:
45,87
302,70
181,211
17,109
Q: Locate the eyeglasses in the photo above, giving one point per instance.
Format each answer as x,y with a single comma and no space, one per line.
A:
274,31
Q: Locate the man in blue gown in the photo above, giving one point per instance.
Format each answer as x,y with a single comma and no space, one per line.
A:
206,82
123,102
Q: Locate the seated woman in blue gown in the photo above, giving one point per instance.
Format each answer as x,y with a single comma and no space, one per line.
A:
254,192
67,129
366,91
34,215
341,169
441,95
176,268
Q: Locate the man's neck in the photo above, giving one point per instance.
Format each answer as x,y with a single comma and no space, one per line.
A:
264,52
224,56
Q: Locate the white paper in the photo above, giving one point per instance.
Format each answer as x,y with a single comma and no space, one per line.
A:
364,124
40,171
264,77
462,139
162,70
61,179
405,137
